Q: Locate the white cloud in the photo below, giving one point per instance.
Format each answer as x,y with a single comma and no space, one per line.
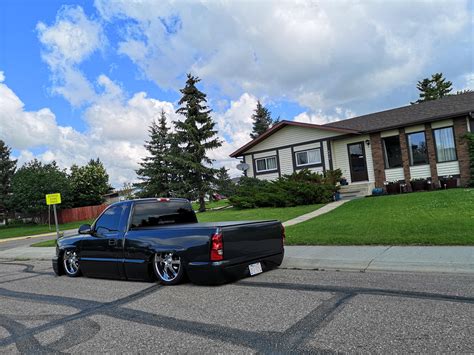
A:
320,54
319,117
66,43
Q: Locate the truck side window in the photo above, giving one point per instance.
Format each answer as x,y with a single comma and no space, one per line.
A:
154,214
109,221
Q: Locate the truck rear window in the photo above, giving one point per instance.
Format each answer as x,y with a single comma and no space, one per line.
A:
155,214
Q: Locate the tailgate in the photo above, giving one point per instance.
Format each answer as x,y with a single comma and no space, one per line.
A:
252,240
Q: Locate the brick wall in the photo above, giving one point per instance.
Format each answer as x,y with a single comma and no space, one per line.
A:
405,155
377,158
462,149
431,153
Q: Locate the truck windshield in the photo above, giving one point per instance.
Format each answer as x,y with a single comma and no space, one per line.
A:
153,214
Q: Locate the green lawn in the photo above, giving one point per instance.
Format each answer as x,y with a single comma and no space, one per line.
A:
32,229
46,243
213,204
422,218
233,214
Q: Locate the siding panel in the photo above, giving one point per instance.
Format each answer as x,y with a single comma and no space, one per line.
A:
448,168
394,174
286,163
248,160
272,176
292,135
420,171
443,123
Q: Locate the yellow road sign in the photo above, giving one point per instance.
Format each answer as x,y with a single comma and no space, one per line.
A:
53,199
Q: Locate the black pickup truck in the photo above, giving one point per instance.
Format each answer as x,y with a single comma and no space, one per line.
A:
161,238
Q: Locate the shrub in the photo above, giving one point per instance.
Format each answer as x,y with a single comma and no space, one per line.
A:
300,188
470,140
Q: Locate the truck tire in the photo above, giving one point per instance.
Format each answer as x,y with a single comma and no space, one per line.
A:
168,268
71,264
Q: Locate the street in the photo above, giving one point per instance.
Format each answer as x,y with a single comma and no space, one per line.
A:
278,311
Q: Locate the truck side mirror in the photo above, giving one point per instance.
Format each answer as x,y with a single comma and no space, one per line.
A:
85,229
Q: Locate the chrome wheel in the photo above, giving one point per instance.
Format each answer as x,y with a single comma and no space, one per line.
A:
71,263
168,267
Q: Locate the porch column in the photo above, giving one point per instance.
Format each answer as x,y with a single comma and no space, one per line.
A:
405,156
431,154
377,158
462,149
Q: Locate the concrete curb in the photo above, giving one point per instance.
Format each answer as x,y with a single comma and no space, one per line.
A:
459,260
28,237
452,259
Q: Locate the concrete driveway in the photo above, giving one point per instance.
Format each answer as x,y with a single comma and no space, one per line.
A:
278,311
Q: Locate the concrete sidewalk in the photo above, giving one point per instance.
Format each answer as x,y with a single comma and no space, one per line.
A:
353,258
325,209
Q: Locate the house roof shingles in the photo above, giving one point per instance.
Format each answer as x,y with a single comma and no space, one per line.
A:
448,106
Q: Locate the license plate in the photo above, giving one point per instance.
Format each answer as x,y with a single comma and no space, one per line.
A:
255,269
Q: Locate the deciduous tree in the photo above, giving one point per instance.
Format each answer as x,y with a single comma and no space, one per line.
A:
7,170
89,183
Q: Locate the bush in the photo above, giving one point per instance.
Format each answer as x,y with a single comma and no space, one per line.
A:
300,188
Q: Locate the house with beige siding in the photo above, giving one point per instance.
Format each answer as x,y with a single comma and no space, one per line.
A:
424,140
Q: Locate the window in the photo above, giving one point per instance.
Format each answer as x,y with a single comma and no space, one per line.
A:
392,152
417,148
445,147
266,164
471,125
154,214
109,221
308,157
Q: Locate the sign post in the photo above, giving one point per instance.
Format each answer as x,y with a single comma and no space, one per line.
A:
54,199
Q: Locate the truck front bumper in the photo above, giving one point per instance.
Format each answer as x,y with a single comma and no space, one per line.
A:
213,273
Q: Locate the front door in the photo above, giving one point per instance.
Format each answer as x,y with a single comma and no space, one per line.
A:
102,250
357,162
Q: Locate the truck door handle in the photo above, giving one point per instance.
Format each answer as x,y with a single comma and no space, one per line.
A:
112,242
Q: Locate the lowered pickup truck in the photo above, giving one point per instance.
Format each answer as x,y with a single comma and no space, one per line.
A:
161,238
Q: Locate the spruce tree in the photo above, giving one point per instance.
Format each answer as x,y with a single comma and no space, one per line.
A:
224,184
196,136
262,121
433,89
7,170
154,171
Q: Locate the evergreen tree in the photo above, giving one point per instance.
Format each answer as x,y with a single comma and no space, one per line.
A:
262,121
7,170
196,136
155,169
224,184
89,183
433,89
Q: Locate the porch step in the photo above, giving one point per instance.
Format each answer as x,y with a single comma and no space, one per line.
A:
354,191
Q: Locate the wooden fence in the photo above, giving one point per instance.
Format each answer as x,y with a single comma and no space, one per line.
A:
80,213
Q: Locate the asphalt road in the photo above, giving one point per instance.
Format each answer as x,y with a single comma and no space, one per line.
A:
10,244
278,311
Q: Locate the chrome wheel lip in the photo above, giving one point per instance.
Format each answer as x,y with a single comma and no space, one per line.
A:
71,262
167,266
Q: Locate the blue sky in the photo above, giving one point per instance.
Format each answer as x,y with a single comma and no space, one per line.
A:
82,79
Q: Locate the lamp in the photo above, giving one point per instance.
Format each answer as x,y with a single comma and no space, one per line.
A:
367,142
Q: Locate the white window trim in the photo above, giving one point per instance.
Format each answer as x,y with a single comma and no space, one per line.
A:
306,151
266,158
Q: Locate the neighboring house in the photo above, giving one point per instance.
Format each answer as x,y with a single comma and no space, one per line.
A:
424,140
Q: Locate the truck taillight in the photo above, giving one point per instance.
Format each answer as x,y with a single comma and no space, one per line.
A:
163,199
217,247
